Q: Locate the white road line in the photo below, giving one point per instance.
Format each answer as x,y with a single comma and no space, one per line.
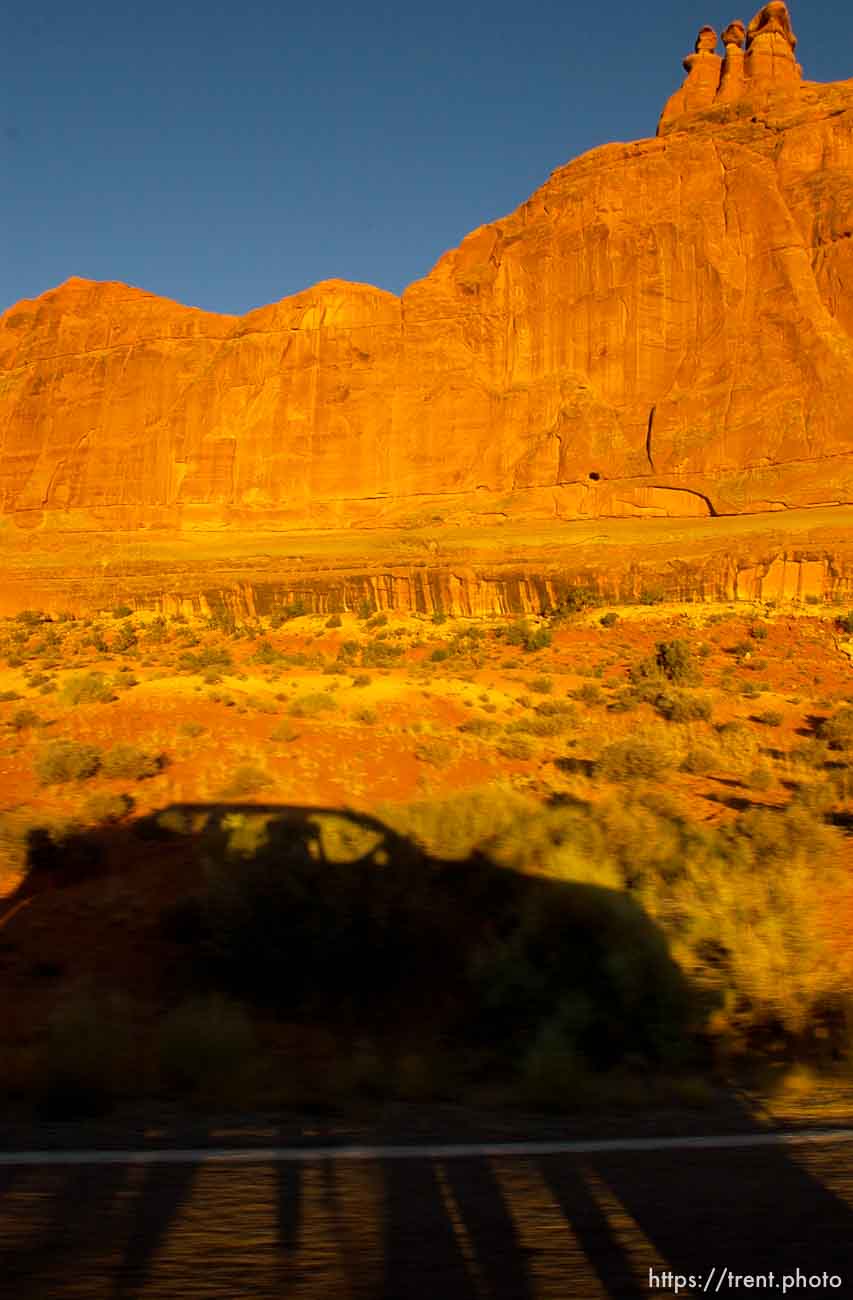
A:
418,1151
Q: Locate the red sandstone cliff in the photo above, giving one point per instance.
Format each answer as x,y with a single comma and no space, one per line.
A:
665,327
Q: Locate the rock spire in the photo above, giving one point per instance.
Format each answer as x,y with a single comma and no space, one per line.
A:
765,72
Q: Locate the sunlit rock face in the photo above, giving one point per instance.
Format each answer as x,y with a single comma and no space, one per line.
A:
664,328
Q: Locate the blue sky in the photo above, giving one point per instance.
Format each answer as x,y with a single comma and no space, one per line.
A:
227,156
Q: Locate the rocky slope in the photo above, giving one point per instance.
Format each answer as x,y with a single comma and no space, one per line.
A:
664,328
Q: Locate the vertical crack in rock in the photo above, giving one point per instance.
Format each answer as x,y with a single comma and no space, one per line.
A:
649,429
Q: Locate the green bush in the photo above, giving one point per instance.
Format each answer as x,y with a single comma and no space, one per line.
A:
378,654
434,750
641,757
676,663
132,763
701,759
124,639
85,1057
246,779
480,727
837,731
295,609
770,718
100,808
86,688
266,654
312,705
609,619
205,1043
334,620
515,747
211,658
23,719
66,760
191,729
681,706
284,732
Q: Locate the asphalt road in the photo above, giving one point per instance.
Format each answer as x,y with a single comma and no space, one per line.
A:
434,1223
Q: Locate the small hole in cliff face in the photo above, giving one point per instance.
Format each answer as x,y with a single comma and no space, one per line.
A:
594,475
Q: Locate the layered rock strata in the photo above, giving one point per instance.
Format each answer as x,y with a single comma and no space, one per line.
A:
664,328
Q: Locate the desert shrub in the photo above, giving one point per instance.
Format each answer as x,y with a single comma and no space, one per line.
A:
378,654
124,639
86,688
211,658
378,620
537,726
7,696
30,617
557,709
609,619
844,623
284,732
837,731
438,617
366,715
85,1057
701,758
455,827
760,777
676,663
434,750
122,611
537,639
102,807
652,596
480,727
758,631
266,654
751,916
554,1075
23,719
643,756
246,779
583,962
769,718
205,1043
295,609
191,729
66,760
738,745
334,620
132,763
588,693
261,704
515,747
680,706
440,654
312,705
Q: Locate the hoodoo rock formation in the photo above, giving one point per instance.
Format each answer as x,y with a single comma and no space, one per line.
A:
665,327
